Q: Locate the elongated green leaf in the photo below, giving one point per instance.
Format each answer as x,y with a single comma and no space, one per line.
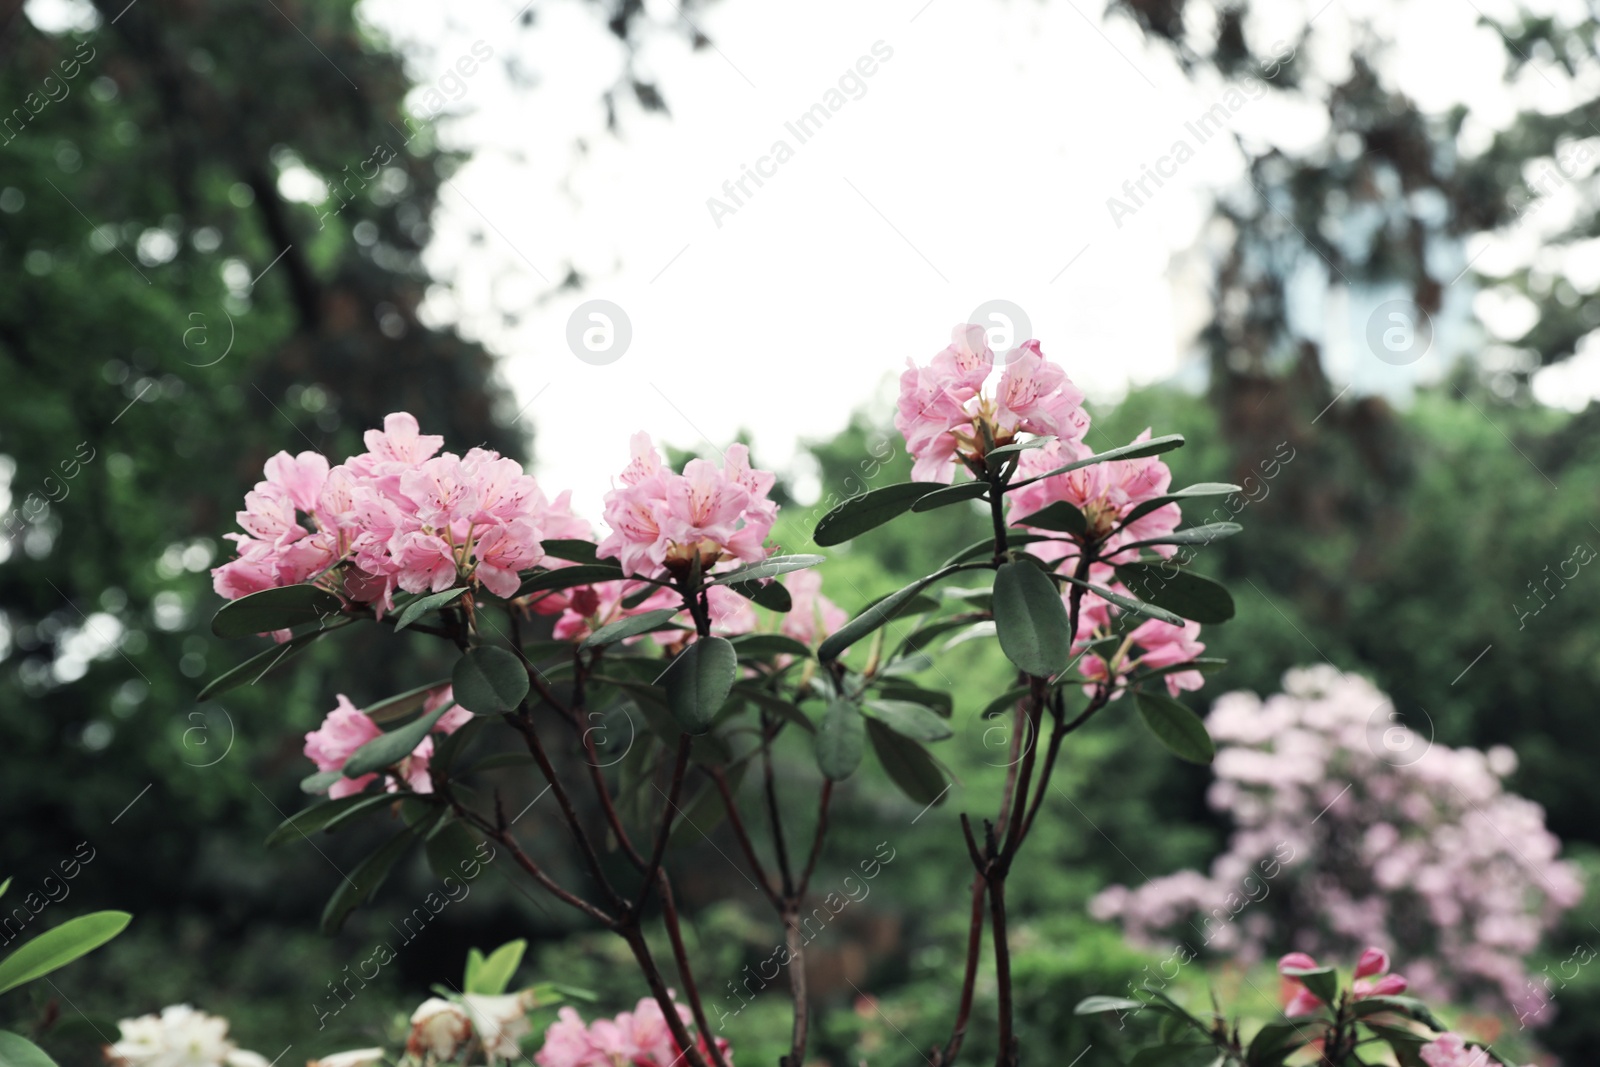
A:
1137,450
4,886
1096,1005
495,972
475,960
907,763
939,700
907,719
861,513
1179,591
325,816
1004,702
923,636
985,549
317,784
1138,607
1194,535
571,550
1186,493
698,681
18,1051
390,748
568,577
877,615
1030,620
760,646
996,456
632,626
488,679
1277,1040
1408,1006
1176,727
1062,516
1202,664
282,608
774,596
361,883
402,704
59,946
258,665
777,705
770,567
950,494
419,607
1322,981
451,850
840,740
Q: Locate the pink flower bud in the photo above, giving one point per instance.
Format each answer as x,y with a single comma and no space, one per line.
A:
1372,961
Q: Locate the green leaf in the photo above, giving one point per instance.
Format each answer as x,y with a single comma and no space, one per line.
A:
996,456
1030,620
1322,981
774,596
1137,450
1410,1007
1198,489
840,740
4,886
488,679
359,886
760,646
1138,607
777,705
631,626
402,704
60,946
698,681
770,567
18,1051
494,973
1096,1005
941,702
389,749
1179,591
877,615
1004,702
257,666
282,608
326,816
474,961
1176,727
450,849
923,636
907,763
317,784
419,607
908,719
1194,535
861,513
950,494
1276,1041
568,577
1062,516
571,550
985,549
1204,665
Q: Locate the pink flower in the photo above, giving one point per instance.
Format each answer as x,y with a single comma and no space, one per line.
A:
640,1038
1452,1050
1296,961
660,519
502,551
813,616
1166,645
589,607
400,442
944,416
566,1043
1373,961
1105,492
345,729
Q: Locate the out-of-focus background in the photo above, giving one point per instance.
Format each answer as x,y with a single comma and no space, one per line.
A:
1349,248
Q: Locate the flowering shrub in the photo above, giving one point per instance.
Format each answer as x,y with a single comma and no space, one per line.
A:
1380,838
1320,1016
178,1037
683,611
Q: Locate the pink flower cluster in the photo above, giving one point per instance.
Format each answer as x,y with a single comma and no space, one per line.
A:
640,1038
945,414
1373,964
1393,840
661,519
346,728
396,516
1452,1050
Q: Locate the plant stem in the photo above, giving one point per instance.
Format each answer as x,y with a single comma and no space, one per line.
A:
1006,1055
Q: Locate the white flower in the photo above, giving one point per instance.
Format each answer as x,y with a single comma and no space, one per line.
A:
179,1037
438,1028
499,1022
361,1057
